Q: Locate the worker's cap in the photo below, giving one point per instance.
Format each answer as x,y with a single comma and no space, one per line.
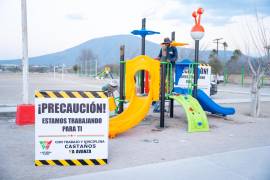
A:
166,41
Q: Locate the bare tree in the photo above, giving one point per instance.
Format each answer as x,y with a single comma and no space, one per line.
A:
259,66
86,61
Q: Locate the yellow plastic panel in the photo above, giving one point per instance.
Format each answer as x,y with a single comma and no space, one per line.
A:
143,63
139,105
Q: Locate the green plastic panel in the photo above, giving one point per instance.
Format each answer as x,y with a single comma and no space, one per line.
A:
196,117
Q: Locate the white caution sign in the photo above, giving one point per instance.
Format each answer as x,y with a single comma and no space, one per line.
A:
71,128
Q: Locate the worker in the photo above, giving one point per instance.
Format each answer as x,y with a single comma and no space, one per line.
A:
172,56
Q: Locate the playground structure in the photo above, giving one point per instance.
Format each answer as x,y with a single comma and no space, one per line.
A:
143,32
159,87
206,102
204,78
139,106
197,120
105,73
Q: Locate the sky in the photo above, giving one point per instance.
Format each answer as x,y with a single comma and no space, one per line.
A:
55,25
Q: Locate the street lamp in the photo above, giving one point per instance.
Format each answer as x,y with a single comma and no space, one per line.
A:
197,33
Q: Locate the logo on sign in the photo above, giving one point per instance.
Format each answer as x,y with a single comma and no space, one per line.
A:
45,145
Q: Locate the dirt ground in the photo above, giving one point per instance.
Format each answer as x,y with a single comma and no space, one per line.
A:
144,144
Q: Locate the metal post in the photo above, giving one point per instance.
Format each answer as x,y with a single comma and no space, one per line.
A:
25,52
171,100
84,67
225,75
173,36
81,67
96,68
122,79
53,71
195,69
143,53
217,47
63,72
162,86
242,75
143,37
87,67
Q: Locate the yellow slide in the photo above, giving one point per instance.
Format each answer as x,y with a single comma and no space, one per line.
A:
139,105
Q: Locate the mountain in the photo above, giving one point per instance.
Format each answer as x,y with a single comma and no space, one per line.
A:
107,51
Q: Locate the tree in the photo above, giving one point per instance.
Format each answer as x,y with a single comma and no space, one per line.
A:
225,45
258,38
213,54
86,61
232,65
214,62
216,65
76,68
203,61
236,55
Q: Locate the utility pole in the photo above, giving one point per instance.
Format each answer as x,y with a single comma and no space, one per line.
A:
217,41
25,52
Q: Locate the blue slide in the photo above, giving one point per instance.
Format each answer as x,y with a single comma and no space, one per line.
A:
205,101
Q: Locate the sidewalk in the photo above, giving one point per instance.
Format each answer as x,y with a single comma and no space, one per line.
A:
241,92
239,100
247,164
7,108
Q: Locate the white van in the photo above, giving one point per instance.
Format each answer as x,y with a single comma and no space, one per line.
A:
204,81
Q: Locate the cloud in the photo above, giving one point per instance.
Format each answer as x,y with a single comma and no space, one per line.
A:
217,12
74,19
232,7
75,16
